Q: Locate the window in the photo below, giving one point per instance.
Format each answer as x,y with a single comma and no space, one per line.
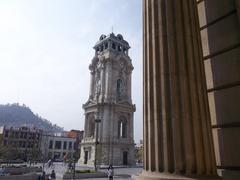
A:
50,144
75,146
122,128
119,48
70,146
113,46
21,135
6,134
58,144
16,135
65,145
30,136
106,45
120,87
90,126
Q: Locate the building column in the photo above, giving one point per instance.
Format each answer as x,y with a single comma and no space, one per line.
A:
92,81
177,134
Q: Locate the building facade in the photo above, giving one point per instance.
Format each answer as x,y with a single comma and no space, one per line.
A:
108,137
61,146
191,127
26,140
31,143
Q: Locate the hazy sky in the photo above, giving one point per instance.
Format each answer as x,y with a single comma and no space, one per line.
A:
46,47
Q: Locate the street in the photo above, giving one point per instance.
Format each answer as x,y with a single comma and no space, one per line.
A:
119,173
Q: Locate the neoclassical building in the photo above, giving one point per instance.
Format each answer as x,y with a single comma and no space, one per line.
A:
191,89
108,137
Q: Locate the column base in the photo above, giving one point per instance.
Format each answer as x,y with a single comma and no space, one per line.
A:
167,176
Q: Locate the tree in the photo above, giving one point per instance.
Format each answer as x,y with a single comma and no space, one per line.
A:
139,154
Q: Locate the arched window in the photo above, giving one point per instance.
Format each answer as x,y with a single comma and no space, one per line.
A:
90,126
122,128
113,46
120,87
119,48
106,45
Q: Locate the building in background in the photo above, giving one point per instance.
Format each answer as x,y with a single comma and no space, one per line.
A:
25,141
61,146
31,143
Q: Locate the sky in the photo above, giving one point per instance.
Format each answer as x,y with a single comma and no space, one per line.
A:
46,48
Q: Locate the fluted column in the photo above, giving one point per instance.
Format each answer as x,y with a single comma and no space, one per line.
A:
92,81
103,78
177,134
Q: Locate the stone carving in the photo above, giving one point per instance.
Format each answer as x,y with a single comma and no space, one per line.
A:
98,83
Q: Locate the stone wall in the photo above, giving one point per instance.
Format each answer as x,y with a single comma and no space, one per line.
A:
220,34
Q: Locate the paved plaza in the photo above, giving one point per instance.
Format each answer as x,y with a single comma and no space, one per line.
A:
119,173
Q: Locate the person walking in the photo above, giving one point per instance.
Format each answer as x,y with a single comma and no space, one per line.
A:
53,175
43,176
110,172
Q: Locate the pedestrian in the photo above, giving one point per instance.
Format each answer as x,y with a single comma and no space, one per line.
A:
53,175
70,166
110,172
43,176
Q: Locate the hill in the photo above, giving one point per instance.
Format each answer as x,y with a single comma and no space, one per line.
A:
18,115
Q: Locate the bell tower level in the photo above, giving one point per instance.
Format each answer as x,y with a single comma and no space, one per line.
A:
109,110
111,70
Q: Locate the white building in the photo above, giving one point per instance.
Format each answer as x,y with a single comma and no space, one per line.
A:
58,146
108,137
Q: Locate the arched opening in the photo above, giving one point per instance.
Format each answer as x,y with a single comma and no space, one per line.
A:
113,46
90,126
120,87
122,128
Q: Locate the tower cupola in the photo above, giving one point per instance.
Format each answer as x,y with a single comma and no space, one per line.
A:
112,42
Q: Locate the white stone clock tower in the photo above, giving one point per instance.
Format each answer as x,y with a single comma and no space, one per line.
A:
108,137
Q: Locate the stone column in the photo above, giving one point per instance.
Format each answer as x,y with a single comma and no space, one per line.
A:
177,135
108,80
103,78
92,81
237,2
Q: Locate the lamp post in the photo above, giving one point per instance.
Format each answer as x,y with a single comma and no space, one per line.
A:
74,156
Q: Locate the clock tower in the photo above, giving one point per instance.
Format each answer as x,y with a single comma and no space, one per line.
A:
108,131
